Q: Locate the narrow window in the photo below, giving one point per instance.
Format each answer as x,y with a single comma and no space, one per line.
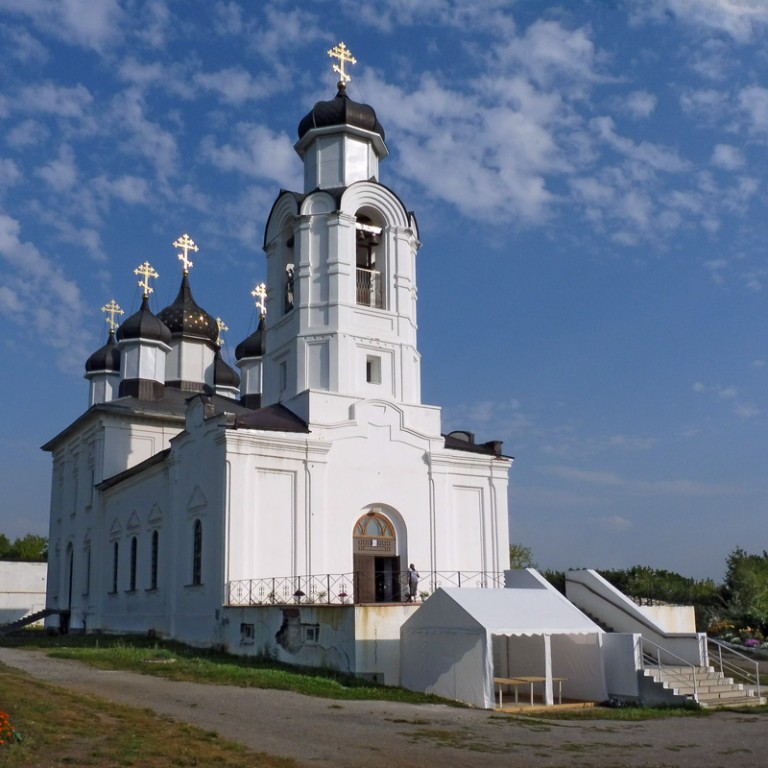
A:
283,376
134,552
155,552
197,554
114,568
373,369
87,558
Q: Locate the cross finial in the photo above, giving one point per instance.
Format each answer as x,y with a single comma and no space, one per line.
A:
260,294
187,244
147,272
112,309
344,55
222,326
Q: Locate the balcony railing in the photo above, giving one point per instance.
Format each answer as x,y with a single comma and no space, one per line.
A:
350,588
370,288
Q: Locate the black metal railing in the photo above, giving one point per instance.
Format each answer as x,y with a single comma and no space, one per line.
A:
351,588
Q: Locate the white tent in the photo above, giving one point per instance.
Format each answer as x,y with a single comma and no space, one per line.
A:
460,639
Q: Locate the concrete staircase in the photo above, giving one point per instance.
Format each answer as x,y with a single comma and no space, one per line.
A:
25,621
713,688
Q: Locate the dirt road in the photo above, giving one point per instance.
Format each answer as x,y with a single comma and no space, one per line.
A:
331,734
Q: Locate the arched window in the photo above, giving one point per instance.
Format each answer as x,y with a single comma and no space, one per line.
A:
154,560
115,551
197,553
134,554
374,533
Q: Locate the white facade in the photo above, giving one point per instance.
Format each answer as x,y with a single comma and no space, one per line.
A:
168,512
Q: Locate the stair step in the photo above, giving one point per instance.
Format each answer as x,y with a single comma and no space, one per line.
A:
743,701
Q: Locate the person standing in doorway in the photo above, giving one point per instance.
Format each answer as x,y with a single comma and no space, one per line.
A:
413,583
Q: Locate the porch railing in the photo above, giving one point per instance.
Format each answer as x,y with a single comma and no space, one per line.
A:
350,588
370,288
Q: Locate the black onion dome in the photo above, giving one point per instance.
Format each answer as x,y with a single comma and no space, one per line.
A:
144,325
341,111
224,375
105,359
185,318
253,346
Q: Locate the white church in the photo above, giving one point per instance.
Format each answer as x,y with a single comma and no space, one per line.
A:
277,510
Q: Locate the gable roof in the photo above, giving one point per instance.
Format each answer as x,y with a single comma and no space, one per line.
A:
532,608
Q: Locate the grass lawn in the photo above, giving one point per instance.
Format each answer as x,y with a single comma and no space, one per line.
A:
58,728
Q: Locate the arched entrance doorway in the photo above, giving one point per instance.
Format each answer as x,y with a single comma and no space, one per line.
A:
376,562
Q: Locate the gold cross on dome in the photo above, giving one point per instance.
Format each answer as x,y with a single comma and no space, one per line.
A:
112,309
344,55
147,272
222,326
187,244
260,294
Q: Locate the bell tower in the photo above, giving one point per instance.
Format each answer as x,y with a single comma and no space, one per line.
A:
341,263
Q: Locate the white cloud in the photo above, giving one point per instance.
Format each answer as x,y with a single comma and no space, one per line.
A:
61,173
656,156
28,133
612,522
236,85
80,22
256,151
555,56
741,19
727,157
51,99
228,18
9,172
38,297
731,395
754,102
608,479
144,137
640,103
128,189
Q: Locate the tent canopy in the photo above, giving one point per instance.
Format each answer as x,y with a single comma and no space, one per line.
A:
448,646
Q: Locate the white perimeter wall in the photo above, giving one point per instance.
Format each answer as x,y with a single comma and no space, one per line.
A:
22,589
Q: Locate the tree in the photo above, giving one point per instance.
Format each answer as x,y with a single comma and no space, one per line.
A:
30,548
746,587
521,556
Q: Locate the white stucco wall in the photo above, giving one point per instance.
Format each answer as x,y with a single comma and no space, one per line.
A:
22,589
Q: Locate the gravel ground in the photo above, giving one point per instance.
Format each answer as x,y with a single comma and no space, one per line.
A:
332,734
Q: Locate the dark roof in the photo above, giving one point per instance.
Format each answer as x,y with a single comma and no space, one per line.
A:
106,359
185,318
274,418
461,440
224,375
144,325
253,346
341,111
172,407
158,458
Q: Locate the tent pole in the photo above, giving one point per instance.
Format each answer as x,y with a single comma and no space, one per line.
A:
549,698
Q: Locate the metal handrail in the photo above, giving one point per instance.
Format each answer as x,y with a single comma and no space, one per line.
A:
349,588
658,663
732,669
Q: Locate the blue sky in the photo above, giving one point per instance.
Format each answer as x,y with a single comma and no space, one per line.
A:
589,181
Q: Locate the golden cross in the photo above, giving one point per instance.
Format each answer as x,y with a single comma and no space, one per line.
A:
222,326
147,272
112,309
187,244
260,294
344,55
